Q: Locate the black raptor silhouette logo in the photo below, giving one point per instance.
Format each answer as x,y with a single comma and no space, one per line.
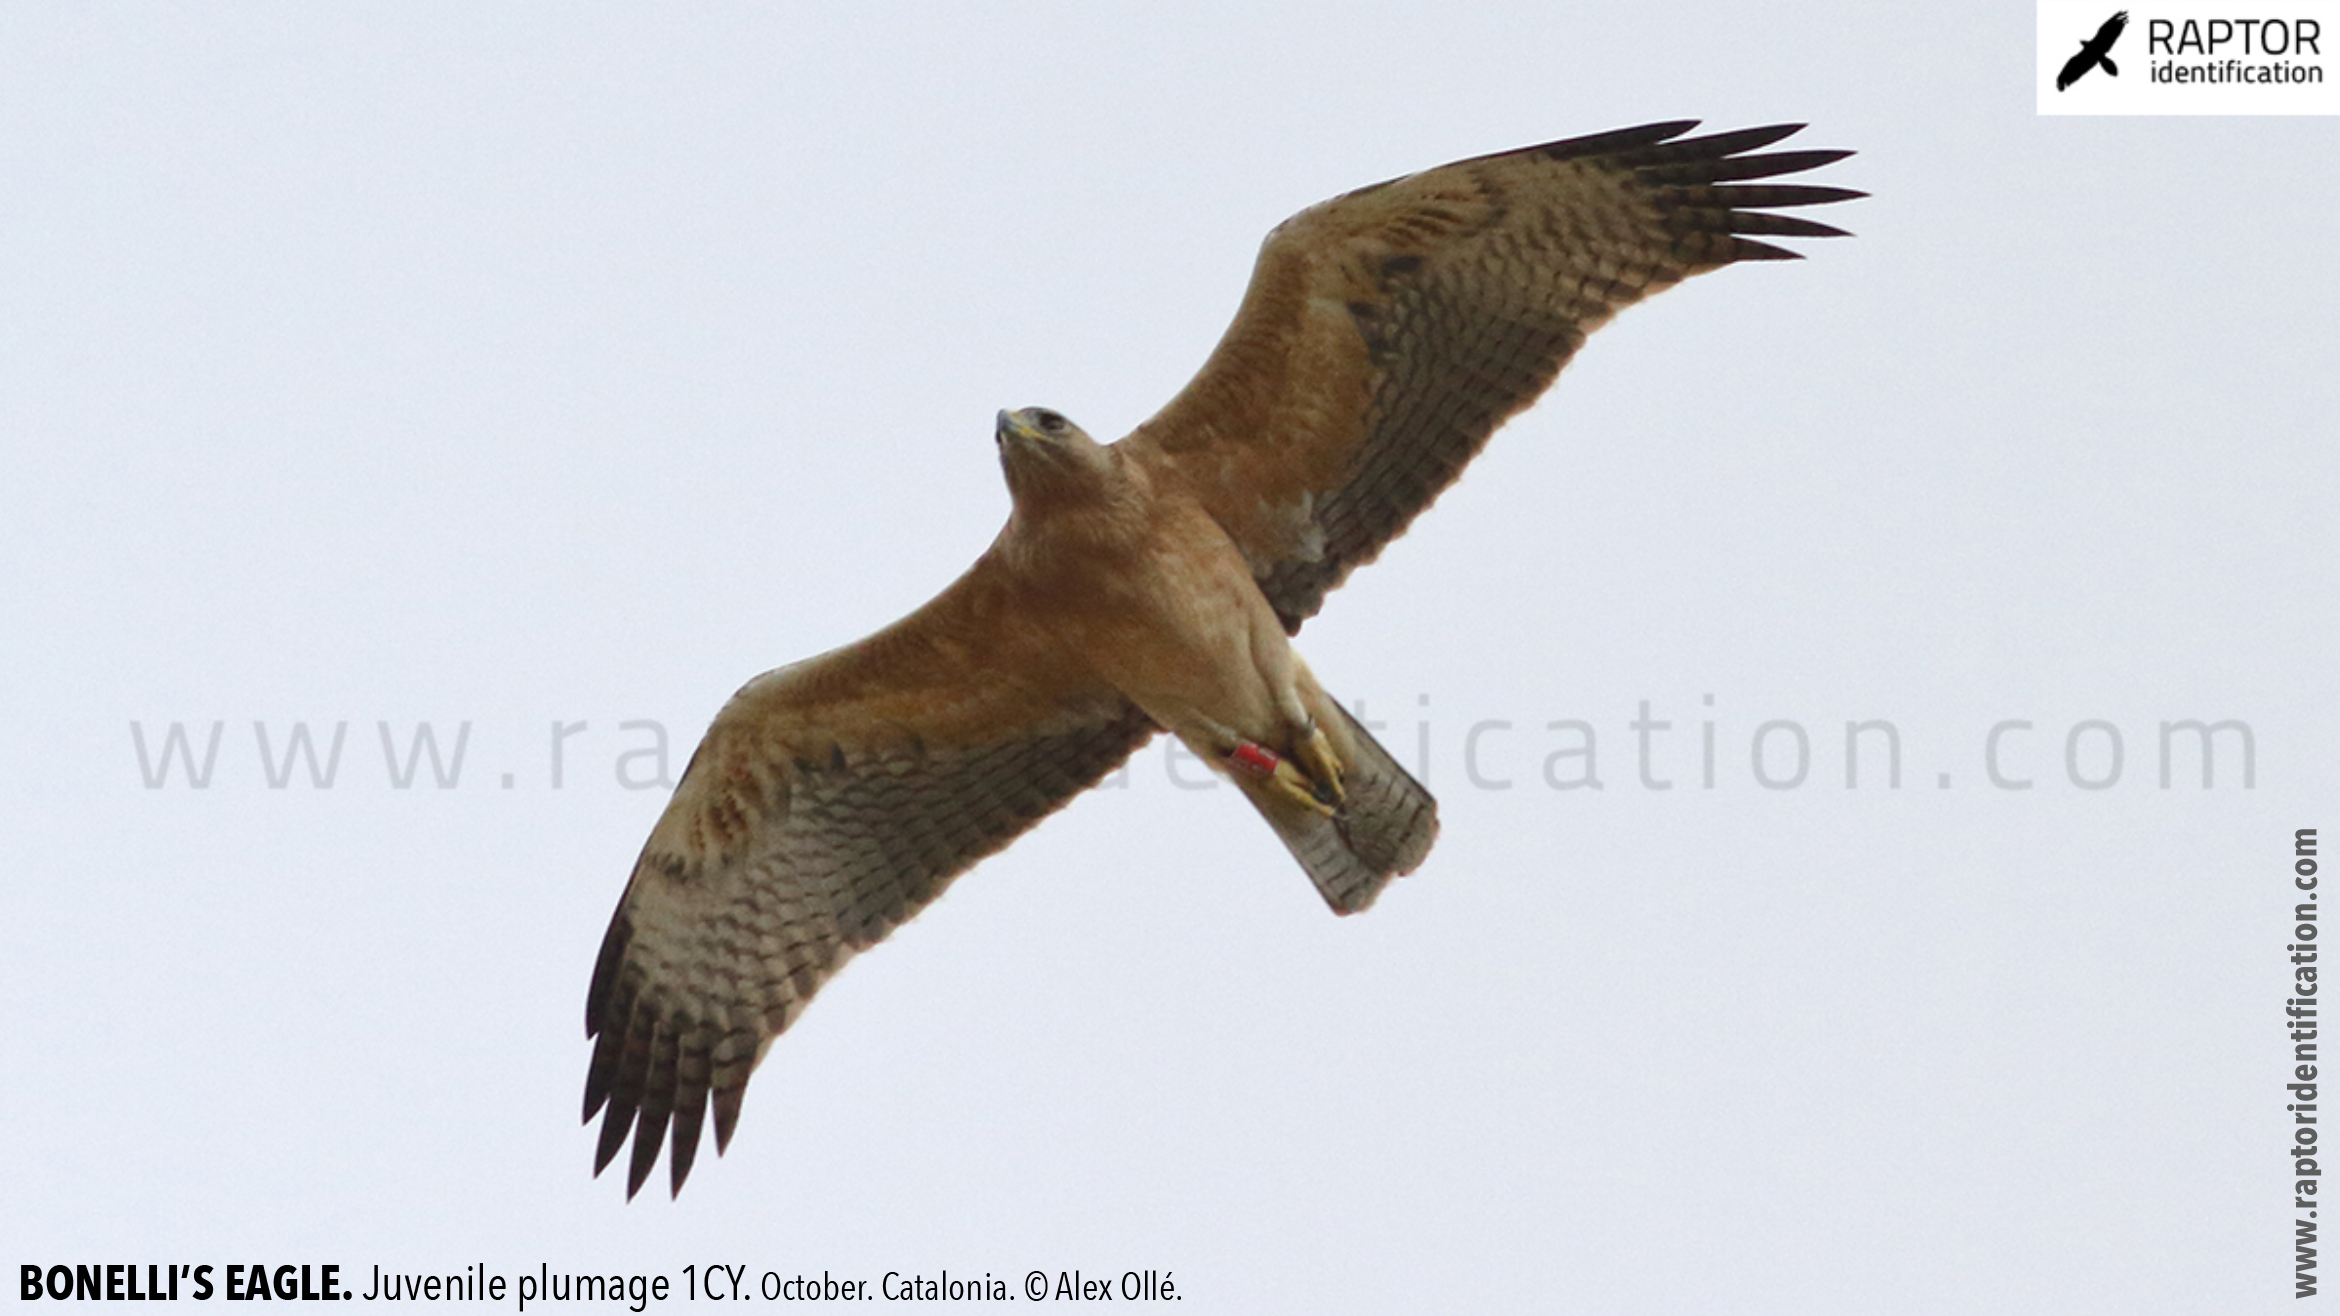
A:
2094,51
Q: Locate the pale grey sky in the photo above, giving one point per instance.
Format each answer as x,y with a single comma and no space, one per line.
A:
512,367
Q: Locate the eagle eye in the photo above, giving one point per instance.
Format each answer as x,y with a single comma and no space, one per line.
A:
1050,422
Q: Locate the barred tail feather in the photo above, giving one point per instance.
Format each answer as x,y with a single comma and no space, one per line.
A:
1383,829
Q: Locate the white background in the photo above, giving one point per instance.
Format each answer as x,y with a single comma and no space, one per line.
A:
516,365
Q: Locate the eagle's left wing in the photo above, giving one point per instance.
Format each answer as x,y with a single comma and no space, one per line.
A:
1388,332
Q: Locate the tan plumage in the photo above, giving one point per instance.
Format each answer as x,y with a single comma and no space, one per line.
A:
1148,585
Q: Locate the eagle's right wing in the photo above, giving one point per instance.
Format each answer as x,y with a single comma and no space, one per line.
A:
829,802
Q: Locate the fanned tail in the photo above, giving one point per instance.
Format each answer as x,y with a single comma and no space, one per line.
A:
1382,830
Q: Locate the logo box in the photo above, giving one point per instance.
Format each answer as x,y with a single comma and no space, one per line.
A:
2230,57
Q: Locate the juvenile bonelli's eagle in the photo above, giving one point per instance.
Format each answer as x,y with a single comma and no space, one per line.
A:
1147,585
2094,51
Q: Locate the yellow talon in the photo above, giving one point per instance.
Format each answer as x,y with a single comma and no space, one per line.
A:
1315,753
1295,786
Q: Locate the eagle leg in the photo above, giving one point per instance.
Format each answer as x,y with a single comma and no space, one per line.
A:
1316,755
1256,760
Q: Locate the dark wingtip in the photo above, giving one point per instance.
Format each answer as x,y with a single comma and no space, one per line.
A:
1741,140
1615,141
726,1102
599,1073
638,1172
1695,170
648,1138
1701,185
1783,226
599,992
678,1168
613,1136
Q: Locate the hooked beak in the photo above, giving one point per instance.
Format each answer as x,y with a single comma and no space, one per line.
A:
1012,426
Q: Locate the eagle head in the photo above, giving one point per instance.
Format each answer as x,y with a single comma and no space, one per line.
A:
1046,456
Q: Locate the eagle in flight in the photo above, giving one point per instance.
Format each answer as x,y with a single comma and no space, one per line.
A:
1146,585
2094,51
